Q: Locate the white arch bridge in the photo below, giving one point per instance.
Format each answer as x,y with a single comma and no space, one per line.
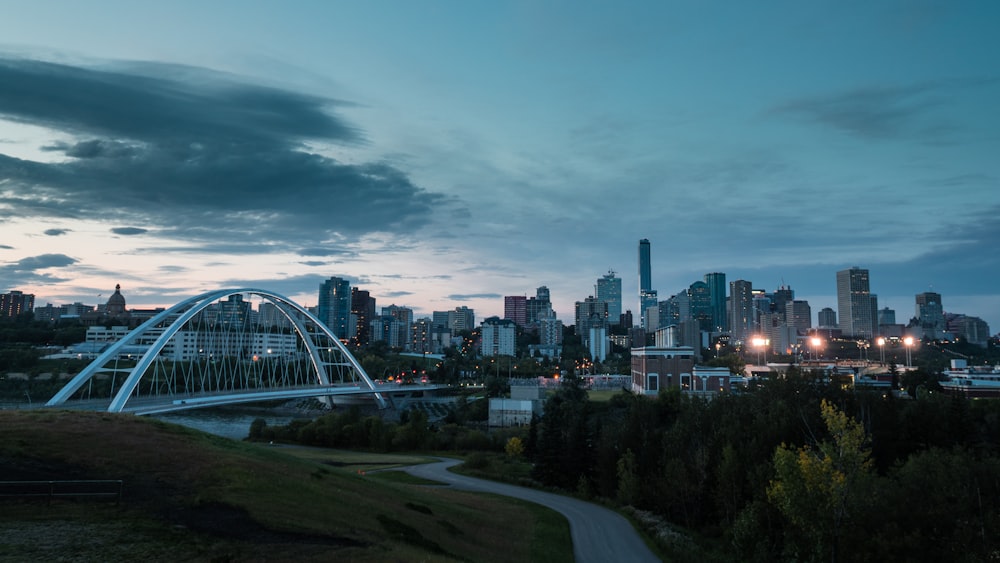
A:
221,347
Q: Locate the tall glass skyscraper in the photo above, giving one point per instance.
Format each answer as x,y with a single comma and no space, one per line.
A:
609,290
645,273
717,294
335,306
647,297
857,308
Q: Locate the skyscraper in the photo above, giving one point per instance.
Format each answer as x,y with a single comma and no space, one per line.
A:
515,308
700,305
363,312
609,290
741,317
591,312
798,314
856,306
826,318
334,307
716,282
930,313
647,296
645,273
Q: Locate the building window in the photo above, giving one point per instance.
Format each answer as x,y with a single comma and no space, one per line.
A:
654,382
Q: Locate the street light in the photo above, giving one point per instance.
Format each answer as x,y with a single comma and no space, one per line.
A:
758,343
908,341
881,349
816,343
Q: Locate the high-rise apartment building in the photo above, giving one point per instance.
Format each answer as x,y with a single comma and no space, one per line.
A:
400,326
334,306
14,303
741,312
856,306
609,290
515,308
498,337
930,313
362,313
716,282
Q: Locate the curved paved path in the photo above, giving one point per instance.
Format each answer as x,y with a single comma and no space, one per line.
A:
599,535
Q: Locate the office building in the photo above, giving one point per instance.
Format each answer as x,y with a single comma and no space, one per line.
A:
826,318
362,315
741,312
716,282
539,307
515,308
609,290
798,315
462,318
334,306
930,313
856,306
591,312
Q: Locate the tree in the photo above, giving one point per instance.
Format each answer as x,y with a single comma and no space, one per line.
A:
819,489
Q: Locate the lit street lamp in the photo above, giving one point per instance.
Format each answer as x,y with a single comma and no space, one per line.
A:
881,349
816,343
759,342
908,341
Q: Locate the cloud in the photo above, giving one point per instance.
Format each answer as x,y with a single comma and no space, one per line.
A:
28,270
197,154
473,296
56,232
6,247
128,231
393,294
873,113
314,263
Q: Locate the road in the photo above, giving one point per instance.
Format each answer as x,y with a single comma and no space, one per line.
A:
599,535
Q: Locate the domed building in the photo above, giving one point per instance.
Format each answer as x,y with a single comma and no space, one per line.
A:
115,308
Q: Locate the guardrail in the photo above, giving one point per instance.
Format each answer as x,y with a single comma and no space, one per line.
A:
85,488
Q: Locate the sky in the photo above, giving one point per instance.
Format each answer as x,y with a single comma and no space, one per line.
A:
449,153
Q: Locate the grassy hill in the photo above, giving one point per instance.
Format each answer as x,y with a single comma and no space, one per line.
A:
190,496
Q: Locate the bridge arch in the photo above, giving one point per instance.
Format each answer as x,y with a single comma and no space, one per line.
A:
205,351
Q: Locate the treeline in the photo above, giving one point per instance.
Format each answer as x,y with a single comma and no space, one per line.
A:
794,470
352,430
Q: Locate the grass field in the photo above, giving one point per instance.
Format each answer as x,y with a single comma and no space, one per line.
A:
196,497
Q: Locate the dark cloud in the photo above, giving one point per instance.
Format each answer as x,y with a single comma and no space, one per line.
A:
55,232
471,296
877,113
392,294
128,231
27,270
196,154
6,247
315,251
314,263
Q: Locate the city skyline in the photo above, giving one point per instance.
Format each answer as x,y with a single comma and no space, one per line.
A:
460,154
